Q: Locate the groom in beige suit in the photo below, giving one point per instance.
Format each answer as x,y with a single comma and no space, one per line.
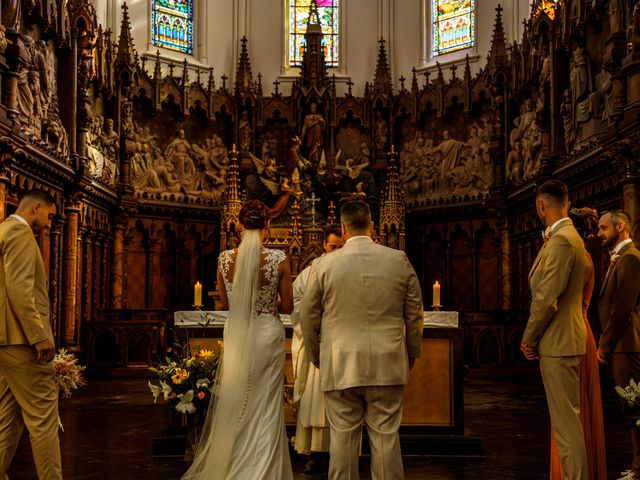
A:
361,320
28,394
555,332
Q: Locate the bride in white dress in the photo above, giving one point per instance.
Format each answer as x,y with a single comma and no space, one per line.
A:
244,435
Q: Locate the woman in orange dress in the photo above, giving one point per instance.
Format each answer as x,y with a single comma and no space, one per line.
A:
586,222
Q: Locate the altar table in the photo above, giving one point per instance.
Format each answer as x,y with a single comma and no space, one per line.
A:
433,401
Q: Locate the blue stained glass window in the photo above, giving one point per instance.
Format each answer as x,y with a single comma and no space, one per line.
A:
172,24
453,25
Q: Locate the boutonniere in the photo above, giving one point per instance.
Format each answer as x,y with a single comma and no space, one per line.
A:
614,259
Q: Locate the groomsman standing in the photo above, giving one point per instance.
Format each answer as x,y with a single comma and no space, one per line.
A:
361,320
312,429
28,393
555,332
619,308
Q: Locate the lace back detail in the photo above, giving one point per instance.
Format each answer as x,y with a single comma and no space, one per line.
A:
267,301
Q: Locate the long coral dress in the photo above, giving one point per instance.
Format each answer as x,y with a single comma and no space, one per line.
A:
590,398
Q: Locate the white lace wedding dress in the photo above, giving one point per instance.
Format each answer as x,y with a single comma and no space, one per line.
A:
260,449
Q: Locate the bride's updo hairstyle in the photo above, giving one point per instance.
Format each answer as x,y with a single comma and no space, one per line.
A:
254,215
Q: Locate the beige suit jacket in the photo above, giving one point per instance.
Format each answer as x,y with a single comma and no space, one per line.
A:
361,316
619,304
24,290
555,325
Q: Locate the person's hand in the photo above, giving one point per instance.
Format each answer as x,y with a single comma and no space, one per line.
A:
45,351
412,362
602,356
530,352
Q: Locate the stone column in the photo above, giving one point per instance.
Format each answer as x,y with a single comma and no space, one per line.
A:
504,267
70,263
475,273
89,277
105,292
96,272
55,291
4,181
631,205
125,270
118,267
148,300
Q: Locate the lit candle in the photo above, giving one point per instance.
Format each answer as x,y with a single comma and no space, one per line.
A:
436,294
197,301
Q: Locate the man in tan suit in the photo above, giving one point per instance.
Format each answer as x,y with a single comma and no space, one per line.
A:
312,428
28,394
361,319
619,308
555,332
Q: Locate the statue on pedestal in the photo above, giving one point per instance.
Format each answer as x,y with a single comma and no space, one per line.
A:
312,131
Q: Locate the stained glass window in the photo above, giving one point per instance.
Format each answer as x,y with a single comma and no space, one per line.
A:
329,16
453,25
172,23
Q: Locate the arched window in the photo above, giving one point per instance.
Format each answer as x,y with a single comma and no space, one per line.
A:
172,24
453,25
329,16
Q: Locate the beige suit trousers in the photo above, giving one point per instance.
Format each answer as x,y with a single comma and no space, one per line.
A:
380,407
561,379
28,396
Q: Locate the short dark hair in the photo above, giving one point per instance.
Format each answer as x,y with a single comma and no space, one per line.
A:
620,216
332,231
355,215
554,191
37,195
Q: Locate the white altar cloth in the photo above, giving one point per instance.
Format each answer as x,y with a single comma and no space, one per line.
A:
192,318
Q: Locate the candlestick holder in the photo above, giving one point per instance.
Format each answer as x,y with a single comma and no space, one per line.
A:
197,308
436,308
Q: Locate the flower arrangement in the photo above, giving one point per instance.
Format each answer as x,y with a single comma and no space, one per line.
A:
68,373
186,381
631,394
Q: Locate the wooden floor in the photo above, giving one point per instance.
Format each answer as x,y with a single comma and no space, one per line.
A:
110,425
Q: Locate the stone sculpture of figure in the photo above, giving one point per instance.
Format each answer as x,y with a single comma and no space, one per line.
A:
474,140
566,111
179,153
579,76
245,133
96,159
127,118
616,16
545,71
527,116
382,132
14,10
633,33
515,134
109,140
138,162
37,113
532,152
312,130
450,150
515,163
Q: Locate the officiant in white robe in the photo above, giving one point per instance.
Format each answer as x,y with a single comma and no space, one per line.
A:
312,429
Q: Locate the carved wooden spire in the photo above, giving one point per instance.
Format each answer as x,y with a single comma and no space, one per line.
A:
392,228
314,70
126,52
497,58
382,81
230,218
244,78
